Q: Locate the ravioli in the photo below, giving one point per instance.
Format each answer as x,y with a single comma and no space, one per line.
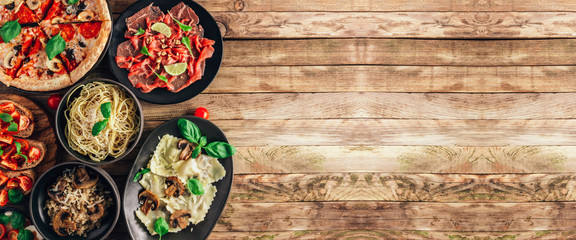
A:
165,163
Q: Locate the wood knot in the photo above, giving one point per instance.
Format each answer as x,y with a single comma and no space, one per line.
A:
222,27
239,5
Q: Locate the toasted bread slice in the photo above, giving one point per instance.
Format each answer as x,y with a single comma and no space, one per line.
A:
27,165
12,174
23,111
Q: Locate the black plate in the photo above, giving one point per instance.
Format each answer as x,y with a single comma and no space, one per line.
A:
201,230
39,196
161,95
61,122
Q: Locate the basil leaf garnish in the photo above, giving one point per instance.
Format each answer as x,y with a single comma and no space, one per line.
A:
55,46
16,219
106,109
10,30
220,150
196,152
25,234
202,142
13,127
5,117
73,1
195,186
99,126
189,130
139,32
18,146
161,227
139,174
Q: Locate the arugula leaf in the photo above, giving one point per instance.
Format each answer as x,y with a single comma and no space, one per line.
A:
99,126
183,26
144,51
195,186
10,30
161,77
189,130
55,46
220,149
161,227
5,117
139,174
106,109
140,32
186,42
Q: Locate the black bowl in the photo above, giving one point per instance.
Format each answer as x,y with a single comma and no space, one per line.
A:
61,122
39,196
130,202
163,96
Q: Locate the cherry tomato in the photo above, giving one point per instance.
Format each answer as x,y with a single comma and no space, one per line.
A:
201,112
2,230
8,151
6,139
33,154
7,107
3,197
54,100
10,165
24,145
3,179
13,234
23,123
26,183
13,183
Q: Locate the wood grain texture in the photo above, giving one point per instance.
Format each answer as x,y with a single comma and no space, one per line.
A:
466,25
401,216
373,5
402,187
372,105
422,52
399,235
372,78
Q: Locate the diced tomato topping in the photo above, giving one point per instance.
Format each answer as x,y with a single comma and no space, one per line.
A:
2,230
13,183
6,139
10,165
13,234
3,179
34,154
3,197
23,123
25,15
24,145
8,151
7,107
90,29
26,183
18,159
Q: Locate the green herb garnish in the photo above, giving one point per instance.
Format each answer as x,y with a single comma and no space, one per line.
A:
161,77
186,42
139,32
5,117
183,26
55,46
17,219
161,227
18,152
105,109
195,186
73,1
10,30
144,51
192,133
139,174
25,234
4,219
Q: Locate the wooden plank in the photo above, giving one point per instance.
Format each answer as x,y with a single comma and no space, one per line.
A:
372,5
373,78
424,52
402,187
399,235
468,25
355,105
404,216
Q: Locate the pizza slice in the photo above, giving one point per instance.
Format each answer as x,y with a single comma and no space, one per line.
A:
26,11
84,44
13,53
38,73
70,11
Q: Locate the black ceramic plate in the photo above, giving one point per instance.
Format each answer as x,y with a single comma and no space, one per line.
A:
39,196
201,230
61,122
161,95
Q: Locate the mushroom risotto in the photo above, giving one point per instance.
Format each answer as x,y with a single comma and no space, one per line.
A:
78,202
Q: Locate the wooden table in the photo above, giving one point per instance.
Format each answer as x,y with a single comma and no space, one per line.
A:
391,119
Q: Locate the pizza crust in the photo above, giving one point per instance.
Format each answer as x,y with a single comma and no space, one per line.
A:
94,54
5,78
103,10
32,84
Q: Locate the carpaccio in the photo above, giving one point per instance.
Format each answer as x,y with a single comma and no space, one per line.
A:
143,69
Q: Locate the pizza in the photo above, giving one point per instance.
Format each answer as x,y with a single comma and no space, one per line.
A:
59,41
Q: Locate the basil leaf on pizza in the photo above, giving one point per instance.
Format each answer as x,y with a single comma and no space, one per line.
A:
73,1
10,30
55,46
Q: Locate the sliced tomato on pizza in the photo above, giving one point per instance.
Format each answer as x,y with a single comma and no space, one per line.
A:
26,11
68,11
14,53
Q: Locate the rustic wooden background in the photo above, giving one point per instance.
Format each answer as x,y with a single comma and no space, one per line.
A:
391,119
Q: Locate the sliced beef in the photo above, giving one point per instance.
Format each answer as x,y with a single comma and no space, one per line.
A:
138,20
184,14
126,49
178,82
145,83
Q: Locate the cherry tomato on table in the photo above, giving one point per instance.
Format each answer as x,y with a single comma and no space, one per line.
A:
201,112
54,100
2,230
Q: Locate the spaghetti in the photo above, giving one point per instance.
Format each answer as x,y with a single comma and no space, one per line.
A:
84,111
